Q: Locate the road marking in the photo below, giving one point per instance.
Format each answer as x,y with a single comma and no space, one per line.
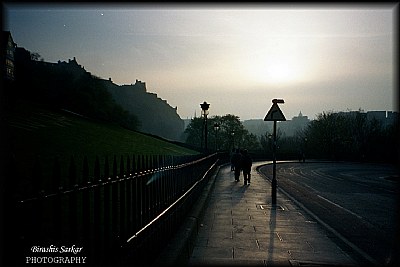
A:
333,231
337,205
327,176
278,235
303,184
359,251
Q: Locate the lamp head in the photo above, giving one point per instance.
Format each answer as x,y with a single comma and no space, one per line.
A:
204,106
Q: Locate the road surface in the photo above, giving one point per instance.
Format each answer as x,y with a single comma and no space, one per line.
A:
358,201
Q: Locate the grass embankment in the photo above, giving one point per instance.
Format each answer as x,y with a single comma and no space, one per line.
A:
37,132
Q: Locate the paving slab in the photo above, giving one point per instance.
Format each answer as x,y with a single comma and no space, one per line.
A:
240,227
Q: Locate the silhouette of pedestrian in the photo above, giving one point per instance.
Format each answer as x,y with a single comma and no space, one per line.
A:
246,166
232,165
236,161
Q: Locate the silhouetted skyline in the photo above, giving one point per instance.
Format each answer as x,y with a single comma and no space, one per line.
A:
236,57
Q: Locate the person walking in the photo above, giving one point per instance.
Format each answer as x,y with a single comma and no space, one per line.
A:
247,162
232,165
236,161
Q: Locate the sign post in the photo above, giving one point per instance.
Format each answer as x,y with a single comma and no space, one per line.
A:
274,114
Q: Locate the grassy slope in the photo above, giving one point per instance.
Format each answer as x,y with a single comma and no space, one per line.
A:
39,132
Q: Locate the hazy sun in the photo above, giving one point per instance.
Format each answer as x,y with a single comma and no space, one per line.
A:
279,72
278,62
276,70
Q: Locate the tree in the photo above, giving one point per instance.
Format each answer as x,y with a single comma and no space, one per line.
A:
231,133
350,136
267,141
194,132
36,56
324,134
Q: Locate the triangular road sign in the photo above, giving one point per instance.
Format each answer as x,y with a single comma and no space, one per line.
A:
275,114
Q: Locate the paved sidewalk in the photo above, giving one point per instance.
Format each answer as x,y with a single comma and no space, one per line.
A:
240,227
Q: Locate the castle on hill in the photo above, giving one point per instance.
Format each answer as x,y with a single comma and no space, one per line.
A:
156,116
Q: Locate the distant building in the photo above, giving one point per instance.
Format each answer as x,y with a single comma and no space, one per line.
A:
257,127
386,118
295,125
156,116
392,117
300,121
186,123
139,85
377,115
8,61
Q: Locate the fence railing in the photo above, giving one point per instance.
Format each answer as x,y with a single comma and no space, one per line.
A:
121,216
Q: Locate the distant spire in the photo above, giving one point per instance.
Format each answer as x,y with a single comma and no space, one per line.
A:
195,114
300,114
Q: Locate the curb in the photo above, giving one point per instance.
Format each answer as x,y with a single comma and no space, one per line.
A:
356,252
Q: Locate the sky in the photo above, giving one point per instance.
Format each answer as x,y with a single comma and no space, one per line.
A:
237,57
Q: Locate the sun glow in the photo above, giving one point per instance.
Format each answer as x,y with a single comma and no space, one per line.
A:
277,70
279,61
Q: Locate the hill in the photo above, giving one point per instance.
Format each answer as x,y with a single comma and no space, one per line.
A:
33,132
68,85
155,114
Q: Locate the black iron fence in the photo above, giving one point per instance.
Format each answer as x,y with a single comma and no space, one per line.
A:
124,214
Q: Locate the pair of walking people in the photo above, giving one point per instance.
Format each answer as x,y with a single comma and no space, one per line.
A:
241,160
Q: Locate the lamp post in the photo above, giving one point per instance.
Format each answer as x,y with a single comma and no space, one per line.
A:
270,142
204,111
233,139
216,128
304,149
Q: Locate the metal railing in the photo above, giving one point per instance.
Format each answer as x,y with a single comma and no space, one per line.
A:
121,218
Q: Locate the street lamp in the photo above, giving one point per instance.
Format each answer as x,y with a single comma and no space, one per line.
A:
216,128
233,139
304,149
270,142
204,111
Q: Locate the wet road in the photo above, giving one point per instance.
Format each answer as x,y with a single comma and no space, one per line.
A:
358,201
